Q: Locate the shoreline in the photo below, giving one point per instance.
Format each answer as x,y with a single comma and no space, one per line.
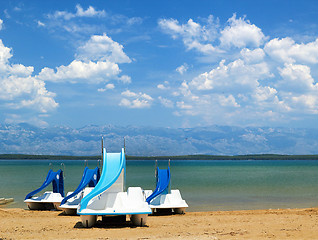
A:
18,223
254,157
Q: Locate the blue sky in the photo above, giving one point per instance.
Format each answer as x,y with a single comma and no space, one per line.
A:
159,63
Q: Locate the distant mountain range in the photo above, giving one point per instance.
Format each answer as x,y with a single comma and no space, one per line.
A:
156,141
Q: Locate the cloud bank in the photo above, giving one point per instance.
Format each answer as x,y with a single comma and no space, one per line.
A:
233,73
96,61
20,88
258,80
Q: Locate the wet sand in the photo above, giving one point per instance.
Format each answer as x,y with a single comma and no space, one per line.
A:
249,224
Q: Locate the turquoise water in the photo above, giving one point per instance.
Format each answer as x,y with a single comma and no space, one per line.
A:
205,185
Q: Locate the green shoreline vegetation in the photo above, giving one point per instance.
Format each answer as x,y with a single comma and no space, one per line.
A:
181,157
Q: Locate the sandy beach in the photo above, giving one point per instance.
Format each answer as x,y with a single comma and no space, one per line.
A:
251,224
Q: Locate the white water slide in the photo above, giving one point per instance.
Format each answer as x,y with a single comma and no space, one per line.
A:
108,197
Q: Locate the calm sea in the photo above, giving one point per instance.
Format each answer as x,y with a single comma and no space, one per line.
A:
205,185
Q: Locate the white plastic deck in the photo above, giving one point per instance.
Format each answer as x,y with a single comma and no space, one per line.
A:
171,200
70,207
48,197
114,201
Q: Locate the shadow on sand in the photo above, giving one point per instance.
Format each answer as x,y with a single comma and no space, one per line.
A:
110,222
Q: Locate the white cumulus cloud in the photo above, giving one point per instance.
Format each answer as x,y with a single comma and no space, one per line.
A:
237,75
182,69
5,55
41,24
260,80
135,100
194,35
228,101
124,79
80,12
286,50
296,78
262,94
166,102
19,89
307,102
252,56
163,86
89,12
108,86
241,33
208,38
102,48
96,61
78,71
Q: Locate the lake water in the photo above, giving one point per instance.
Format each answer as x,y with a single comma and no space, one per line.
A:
205,185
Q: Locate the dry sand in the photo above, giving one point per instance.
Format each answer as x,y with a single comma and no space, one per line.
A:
259,224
